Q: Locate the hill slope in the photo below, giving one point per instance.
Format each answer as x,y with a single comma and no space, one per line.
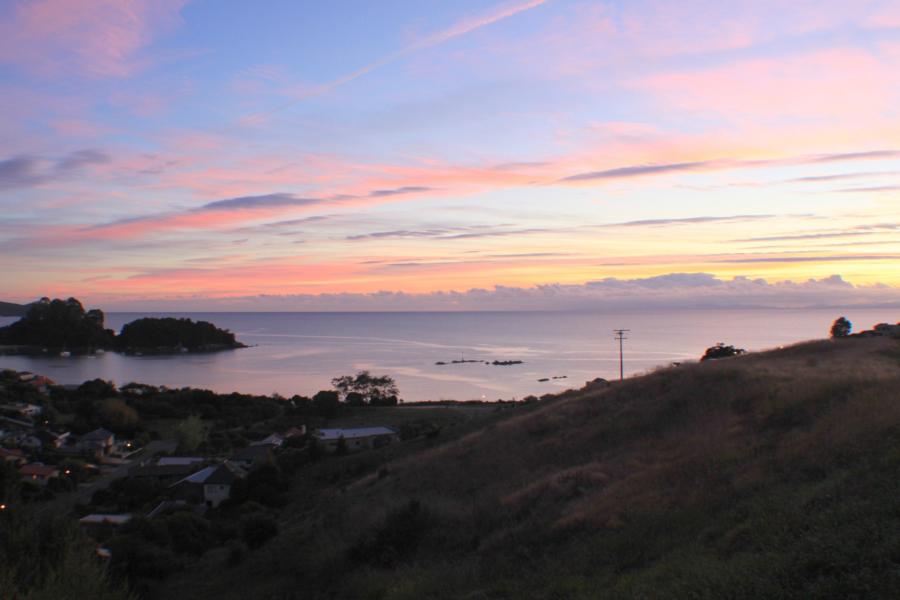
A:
774,475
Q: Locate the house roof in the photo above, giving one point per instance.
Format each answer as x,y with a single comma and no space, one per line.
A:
271,440
98,519
38,469
198,477
49,436
179,460
355,432
224,473
158,470
97,435
252,453
11,452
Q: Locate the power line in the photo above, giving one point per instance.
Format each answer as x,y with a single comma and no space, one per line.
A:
620,335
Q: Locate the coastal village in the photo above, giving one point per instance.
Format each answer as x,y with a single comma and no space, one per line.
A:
97,473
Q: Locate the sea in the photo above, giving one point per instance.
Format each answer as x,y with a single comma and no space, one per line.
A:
300,352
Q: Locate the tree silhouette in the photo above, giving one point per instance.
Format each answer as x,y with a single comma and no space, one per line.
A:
841,327
365,387
720,350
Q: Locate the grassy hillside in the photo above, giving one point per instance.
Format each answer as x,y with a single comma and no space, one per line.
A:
772,475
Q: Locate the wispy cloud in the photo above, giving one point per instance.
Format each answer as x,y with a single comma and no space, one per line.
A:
458,29
872,189
850,156
690,220
26,171
841,177
714,164
95,37
812,259
256,202
640,170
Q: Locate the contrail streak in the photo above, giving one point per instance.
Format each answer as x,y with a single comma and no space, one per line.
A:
435,39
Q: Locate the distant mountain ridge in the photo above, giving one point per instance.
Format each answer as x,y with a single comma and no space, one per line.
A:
10,309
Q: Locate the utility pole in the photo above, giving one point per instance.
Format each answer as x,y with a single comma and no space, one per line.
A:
620,335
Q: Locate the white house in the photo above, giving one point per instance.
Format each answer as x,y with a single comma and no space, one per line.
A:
97,443
210,486
356,438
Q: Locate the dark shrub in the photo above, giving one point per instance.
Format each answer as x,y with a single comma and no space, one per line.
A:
258,529
395,539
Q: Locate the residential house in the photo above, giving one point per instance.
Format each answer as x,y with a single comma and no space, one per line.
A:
165,473
138,389
252,457
294,432
357,438
209,486
97,443
102,526
38,473
28,410
41,383
13,456
24,440
53,439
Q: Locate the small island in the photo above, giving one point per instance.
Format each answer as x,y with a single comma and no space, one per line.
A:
10,309
496,363
63,327
170,335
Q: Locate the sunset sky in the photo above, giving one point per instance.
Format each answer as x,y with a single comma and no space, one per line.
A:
305,155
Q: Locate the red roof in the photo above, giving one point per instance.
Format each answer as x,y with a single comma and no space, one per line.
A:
11,452
34,469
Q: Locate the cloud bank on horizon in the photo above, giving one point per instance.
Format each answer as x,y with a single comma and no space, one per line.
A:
672,291
530,154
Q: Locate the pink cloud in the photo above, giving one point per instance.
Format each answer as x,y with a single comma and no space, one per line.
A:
78,128
291,274
97,37
842,84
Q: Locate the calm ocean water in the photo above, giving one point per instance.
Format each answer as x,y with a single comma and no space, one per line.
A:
299,353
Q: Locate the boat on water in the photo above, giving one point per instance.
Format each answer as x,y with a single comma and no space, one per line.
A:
65,354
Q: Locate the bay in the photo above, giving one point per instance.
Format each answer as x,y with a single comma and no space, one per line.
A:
299,353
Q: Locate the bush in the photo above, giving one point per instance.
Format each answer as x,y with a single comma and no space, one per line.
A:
258,529
236,554
395,539
720,350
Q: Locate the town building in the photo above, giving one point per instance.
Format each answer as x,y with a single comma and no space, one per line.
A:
357,438
252,457
38,473
209,486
